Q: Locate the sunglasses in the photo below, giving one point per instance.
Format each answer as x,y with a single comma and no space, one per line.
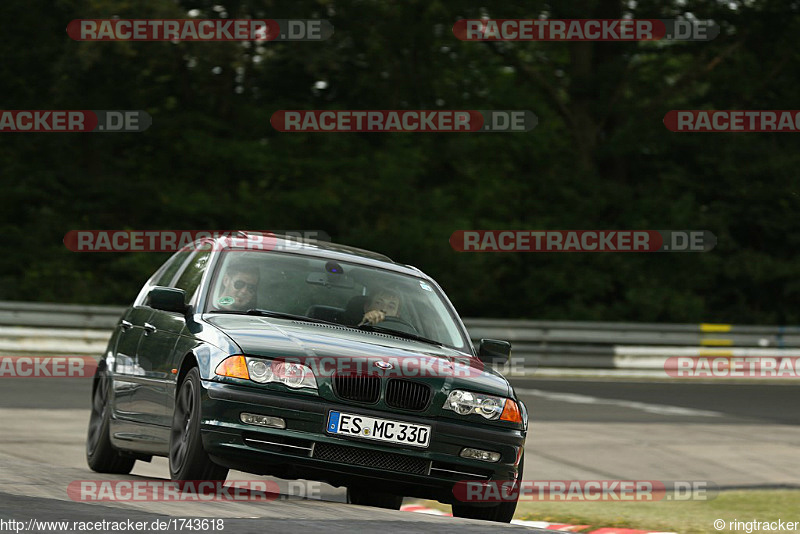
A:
239,284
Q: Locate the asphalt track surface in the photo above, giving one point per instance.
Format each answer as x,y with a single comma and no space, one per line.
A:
731,434
737,403
767,403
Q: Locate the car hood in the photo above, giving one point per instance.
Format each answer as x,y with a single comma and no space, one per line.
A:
284,338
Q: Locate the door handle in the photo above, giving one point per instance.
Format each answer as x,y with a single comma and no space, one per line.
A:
148,328
125,324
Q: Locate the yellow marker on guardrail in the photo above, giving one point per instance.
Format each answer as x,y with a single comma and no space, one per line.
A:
708,327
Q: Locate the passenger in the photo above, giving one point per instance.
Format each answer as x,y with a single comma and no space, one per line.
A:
381,304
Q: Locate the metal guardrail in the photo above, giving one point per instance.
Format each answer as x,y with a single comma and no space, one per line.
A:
40,314
606,345
55,329
78,329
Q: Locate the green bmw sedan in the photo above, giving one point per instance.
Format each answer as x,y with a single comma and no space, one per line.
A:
309,361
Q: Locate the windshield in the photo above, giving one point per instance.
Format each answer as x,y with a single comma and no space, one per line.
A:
343,293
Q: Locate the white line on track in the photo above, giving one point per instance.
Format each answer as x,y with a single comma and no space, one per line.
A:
660,409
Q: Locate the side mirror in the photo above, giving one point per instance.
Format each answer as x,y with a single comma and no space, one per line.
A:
167,299
494,351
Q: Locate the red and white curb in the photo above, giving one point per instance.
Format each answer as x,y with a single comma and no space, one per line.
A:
561,527
423,510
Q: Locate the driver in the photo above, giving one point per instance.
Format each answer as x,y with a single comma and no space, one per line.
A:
239,288
381,304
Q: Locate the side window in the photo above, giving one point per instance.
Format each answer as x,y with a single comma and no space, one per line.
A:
175,264
164,275
193,273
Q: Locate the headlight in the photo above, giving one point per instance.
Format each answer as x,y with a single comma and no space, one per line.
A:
461,402
293,375
465,403
260,370
489,406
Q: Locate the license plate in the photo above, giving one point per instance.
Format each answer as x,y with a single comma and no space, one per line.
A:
387,430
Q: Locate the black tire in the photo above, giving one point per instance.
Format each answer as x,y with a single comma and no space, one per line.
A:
187,458
501,513
366,497
101,455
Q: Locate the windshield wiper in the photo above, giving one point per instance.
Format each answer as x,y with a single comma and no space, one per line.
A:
407,335
366,327
282,315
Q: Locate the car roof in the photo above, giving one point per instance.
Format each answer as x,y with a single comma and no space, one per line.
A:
324,249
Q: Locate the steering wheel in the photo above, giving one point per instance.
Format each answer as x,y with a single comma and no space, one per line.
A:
407,327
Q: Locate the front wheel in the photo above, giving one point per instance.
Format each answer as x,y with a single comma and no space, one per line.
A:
377,499
101,455
187,458
502,513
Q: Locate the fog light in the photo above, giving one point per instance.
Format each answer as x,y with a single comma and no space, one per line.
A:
262,420
477,454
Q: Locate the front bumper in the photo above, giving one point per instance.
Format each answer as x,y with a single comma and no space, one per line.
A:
305,450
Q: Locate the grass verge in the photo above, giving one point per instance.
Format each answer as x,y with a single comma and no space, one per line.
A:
683,517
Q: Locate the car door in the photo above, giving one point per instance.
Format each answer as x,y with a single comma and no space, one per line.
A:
129,376
124,368
156,350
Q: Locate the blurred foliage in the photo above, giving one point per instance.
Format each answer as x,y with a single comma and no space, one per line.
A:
600,157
